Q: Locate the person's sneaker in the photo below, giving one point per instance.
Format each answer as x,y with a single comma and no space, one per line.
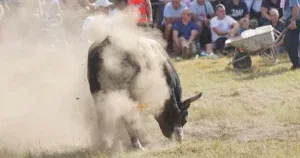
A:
214,56
203,53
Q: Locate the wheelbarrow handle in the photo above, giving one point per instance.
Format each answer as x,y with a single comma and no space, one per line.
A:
281,35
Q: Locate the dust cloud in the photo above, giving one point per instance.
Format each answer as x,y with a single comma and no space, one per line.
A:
148,88
44,97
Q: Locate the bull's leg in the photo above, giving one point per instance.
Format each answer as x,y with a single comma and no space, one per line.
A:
132,132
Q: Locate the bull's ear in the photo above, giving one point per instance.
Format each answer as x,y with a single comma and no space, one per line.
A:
187,102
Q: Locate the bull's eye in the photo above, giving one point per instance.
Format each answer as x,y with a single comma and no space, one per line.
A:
184,114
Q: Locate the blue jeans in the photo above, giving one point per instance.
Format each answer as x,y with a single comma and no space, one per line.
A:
291,43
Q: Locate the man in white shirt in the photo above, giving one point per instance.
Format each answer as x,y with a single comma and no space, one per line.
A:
100,6
222,28
103,5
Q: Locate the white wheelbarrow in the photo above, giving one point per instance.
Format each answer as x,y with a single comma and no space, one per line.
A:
262,40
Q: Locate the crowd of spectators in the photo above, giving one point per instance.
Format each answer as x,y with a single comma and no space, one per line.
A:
216,21
189,26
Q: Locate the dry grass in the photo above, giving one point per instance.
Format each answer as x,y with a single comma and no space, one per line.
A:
253,113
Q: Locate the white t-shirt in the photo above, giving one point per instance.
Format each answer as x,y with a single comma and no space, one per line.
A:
224,25
87,22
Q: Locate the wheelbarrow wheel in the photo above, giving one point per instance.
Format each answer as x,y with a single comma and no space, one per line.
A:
242,61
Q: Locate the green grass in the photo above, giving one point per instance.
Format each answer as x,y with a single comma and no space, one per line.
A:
219,148
253,113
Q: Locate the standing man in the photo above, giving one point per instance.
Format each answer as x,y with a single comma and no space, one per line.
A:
103,6
291,40
145,11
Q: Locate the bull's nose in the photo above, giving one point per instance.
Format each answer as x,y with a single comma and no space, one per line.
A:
178,134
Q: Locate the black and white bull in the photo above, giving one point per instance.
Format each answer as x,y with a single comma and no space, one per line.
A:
172,116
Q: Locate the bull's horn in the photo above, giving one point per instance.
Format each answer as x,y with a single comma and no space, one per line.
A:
187,102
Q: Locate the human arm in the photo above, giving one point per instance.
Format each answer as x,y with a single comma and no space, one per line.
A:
1,11
176,33
194,32
89,4
233,31
40,7
264,13
149,11
219,31
235,28
193,36
5,5
175,37
295,11
214,25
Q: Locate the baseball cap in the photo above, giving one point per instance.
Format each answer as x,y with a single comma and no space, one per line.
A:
102,3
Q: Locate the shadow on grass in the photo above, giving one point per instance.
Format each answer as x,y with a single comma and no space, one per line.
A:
259,73
258,69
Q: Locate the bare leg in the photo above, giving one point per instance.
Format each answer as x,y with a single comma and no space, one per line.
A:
209,48
132,132
177,49
168,30
186,48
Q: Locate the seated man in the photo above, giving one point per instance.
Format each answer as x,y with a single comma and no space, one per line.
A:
266,6
184,33
172,14
278,25
222,28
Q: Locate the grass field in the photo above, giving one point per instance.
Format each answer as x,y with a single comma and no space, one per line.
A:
253,113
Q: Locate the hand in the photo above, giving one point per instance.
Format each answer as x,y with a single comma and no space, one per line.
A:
150,21
188,43
230,33
292,25
177,42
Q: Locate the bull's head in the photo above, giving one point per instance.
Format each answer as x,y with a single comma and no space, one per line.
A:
173,117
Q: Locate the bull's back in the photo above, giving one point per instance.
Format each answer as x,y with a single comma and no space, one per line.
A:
110,69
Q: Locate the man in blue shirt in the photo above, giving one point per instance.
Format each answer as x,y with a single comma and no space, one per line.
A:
172,14
291,40
184,34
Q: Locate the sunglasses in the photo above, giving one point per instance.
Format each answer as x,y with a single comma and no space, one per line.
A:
188,14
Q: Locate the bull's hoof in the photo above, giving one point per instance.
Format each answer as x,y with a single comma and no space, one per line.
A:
137,144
